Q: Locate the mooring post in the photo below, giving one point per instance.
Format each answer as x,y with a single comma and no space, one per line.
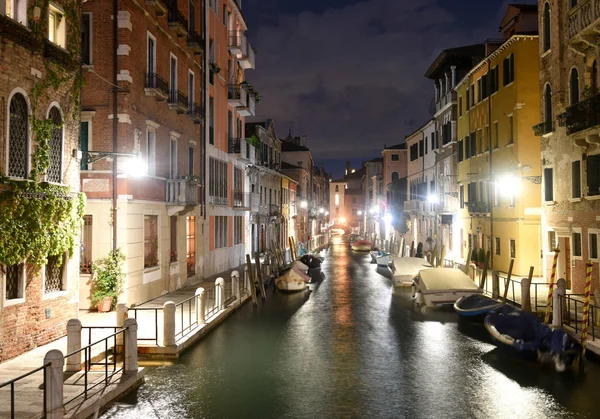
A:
74,344
468,264
495,284
558,302
131,350
122,313
219,291
508,275
235,284
169,323
200,305
261,281
526,291
252,284
54,384
597,306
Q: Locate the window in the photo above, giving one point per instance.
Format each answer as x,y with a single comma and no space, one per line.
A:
593,244
220,232
462,196
468,103
548,104
576,179
191,16
593,174
16,10
211,55
56,26
493,80
173,237
472,90
574,87
496,194
572,3
511,130
513,248
414,152
496,134
86,39
225,15
151,151
497,245
173,74
173,159
551,240
576,247
548,185
337,199
211,121
151,54
594,77
190,239
190,161
18,137
473,144
84,142
479,90
511,200
421,144
395,157
460,150
150,241
55,143
508,67
546,28
484,86
85,249
14,281
191,90
218,184
53,274
238,229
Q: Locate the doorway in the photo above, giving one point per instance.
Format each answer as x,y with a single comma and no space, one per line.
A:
563,269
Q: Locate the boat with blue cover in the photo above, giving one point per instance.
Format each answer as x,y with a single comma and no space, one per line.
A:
524,335
475,305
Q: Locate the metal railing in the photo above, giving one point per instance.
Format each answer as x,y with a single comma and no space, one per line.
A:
12,383
194,40
572,314
154,81
241,199
176,18
185,324
195,111
182,191
234,145
237,42
210,301
106,363
543,128
274,209
583,115
178,98
142,311
218,200
478,207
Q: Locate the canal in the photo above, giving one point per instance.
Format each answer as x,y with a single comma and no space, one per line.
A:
351,347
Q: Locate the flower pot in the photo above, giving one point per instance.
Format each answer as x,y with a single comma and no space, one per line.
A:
105,305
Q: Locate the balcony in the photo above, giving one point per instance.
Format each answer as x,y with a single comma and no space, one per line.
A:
478,207
234,145
247,59
156,86
249,109
182,192
237,43
178,101
159,6
543,128
583,115
195,113
241,200
583,25
177,21
57,54
237,95
195,42
448,97
218,200
413,205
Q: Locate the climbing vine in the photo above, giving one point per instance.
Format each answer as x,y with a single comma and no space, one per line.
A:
38,219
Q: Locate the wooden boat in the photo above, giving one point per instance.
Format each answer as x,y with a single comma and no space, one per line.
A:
475,305
404,269
441,286
525,336
362,245
311,261
292,280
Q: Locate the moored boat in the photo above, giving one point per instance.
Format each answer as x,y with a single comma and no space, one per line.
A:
441,286
362,246
475,305
524,335
404,269
311,261
292,280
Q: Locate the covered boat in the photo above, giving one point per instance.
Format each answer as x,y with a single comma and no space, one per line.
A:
292,280
381,258
362,245
440,286
311,261
404,269
523,334
475,305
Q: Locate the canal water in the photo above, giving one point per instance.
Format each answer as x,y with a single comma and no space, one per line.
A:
350,347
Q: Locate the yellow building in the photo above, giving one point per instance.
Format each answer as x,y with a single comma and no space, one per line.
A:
499,156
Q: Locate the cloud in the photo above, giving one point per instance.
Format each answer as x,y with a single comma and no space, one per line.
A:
354,75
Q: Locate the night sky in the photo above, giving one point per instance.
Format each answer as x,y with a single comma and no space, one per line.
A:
349,74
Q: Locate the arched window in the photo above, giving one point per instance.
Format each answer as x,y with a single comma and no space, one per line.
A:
546,23
574,84
395,177
55,143
548,104
18,137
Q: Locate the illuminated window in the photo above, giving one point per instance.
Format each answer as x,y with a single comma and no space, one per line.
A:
337,199
56,26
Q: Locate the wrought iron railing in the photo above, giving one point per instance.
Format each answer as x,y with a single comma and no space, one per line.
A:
583,115
154,81
241,199
218,200
13,394
195,111
195,41
178,98
543,128
175,17
480,207
153,312
237,40
274,210
234,145
186,316
572,314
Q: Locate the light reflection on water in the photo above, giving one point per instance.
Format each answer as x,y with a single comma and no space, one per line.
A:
352,348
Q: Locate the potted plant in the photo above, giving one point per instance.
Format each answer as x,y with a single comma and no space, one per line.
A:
481,257
108,280
474,257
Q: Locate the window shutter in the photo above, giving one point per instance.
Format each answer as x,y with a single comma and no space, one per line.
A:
548,185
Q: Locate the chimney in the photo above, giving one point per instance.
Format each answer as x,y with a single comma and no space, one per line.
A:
303,141
347,167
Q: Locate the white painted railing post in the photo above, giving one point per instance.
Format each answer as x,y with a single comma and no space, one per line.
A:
200,305
557,302
219,288
54,384
121,316
131,349
235,284
73,344
169,323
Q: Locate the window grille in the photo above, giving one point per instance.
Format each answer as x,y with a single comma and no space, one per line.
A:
54,273
18,137
55,143
13,281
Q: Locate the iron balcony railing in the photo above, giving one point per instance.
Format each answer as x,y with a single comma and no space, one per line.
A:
179,99
182,192
234,146
195,111
241,199
237,42
478,207
543,128
217,200
195,41
583,115
154,81
159,6
176,19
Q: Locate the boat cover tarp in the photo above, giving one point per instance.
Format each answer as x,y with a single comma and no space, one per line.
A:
442,279
477,301
408,265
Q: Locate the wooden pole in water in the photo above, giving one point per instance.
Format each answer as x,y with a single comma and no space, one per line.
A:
412,249
468,264
507,283
292,256
485,269
402,244
252,280
526,291
586,307
261,281
551,286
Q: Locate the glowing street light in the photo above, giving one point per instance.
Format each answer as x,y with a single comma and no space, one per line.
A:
388,218
342,220
508,185
359,212
432,199
303,204
321,210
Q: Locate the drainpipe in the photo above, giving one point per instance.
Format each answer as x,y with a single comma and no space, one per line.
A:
490,197
115,127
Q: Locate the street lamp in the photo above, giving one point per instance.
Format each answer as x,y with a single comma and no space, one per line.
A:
321,210
359,212
303,204
433,199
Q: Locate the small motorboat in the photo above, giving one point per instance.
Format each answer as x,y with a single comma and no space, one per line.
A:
292,280
475,305
362,246
441,286
404,269
524,335
383,259
311,261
